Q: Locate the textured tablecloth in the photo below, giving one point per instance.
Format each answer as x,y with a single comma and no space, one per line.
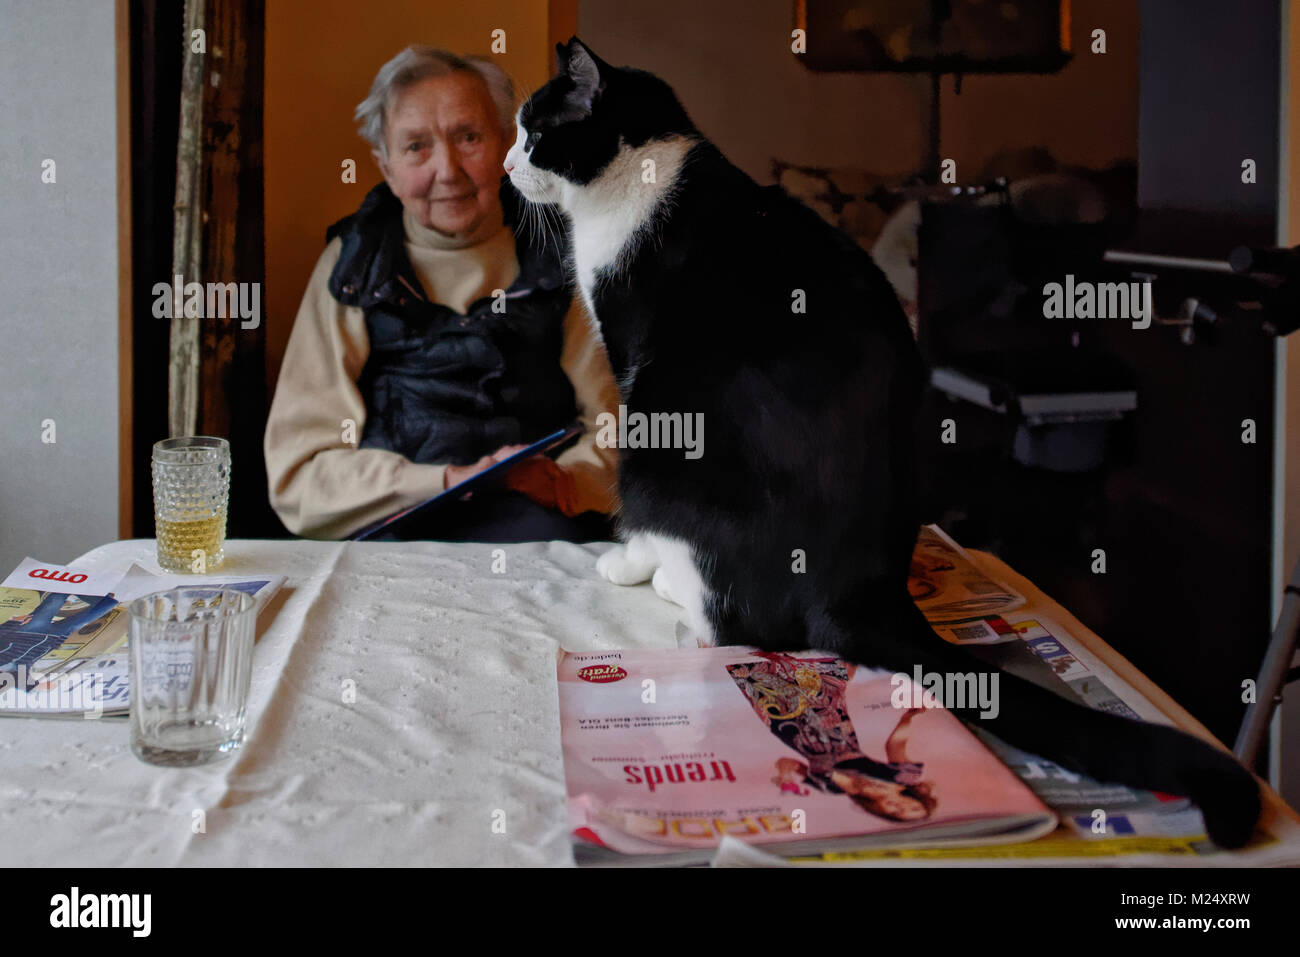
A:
453,737
449,755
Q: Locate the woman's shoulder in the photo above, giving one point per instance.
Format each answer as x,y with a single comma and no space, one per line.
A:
320,307
325,263
379,205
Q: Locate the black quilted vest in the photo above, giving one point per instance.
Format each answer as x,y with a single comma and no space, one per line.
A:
446,388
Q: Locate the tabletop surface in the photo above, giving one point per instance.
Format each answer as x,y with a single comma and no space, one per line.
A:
403,711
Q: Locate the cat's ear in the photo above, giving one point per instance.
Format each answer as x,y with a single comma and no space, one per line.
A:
576,45
584,68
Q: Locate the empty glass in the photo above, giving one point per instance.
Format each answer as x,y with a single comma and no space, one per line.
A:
191,660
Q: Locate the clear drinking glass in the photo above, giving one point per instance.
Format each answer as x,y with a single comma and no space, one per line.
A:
191,661
191,489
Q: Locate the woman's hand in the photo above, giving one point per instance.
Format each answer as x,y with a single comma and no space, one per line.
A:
506,451
453,475
539,478
545,483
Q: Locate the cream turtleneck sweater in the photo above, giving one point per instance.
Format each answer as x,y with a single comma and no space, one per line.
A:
323,486
457,271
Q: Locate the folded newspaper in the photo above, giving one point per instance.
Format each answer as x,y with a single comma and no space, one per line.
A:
63,654
948,587
668,751
1098,821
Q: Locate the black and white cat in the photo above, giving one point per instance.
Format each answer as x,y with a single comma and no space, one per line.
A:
795,528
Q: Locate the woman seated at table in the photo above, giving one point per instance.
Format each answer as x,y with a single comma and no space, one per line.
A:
438,334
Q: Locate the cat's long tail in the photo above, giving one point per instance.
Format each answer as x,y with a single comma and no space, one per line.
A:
1104,746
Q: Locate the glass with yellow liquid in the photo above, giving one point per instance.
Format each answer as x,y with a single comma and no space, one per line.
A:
191,490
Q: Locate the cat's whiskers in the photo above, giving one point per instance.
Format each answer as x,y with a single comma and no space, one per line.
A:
537,225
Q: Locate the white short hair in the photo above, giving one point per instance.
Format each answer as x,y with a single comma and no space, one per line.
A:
417,62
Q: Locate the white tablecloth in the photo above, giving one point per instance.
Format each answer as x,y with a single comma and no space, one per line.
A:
454,732
454,727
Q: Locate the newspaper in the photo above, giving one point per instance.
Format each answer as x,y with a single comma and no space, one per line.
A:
1097,820
948,587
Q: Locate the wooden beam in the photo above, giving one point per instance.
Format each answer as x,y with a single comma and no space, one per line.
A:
232,221
232,351
183,362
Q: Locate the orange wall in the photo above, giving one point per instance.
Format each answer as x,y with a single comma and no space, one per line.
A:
321,56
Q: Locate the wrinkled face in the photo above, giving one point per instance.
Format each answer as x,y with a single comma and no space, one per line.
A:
444,152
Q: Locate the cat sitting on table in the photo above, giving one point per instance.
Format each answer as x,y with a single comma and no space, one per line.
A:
795,528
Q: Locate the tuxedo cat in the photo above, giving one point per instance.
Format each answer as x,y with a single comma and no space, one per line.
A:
795,527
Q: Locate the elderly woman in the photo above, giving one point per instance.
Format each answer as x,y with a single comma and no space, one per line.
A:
437,336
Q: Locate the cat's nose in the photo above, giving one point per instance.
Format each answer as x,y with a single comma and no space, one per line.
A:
510,164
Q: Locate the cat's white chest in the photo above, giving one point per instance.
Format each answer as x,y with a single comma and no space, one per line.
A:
596,248
603,240
599,240
614,214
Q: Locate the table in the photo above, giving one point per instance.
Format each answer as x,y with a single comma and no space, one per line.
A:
449,753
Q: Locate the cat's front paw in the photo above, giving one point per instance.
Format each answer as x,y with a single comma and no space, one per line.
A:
661,586
617,566
694,637
705,638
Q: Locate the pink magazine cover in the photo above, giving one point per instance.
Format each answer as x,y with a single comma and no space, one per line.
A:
668,751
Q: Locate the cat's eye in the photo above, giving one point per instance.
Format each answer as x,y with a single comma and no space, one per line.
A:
533,137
